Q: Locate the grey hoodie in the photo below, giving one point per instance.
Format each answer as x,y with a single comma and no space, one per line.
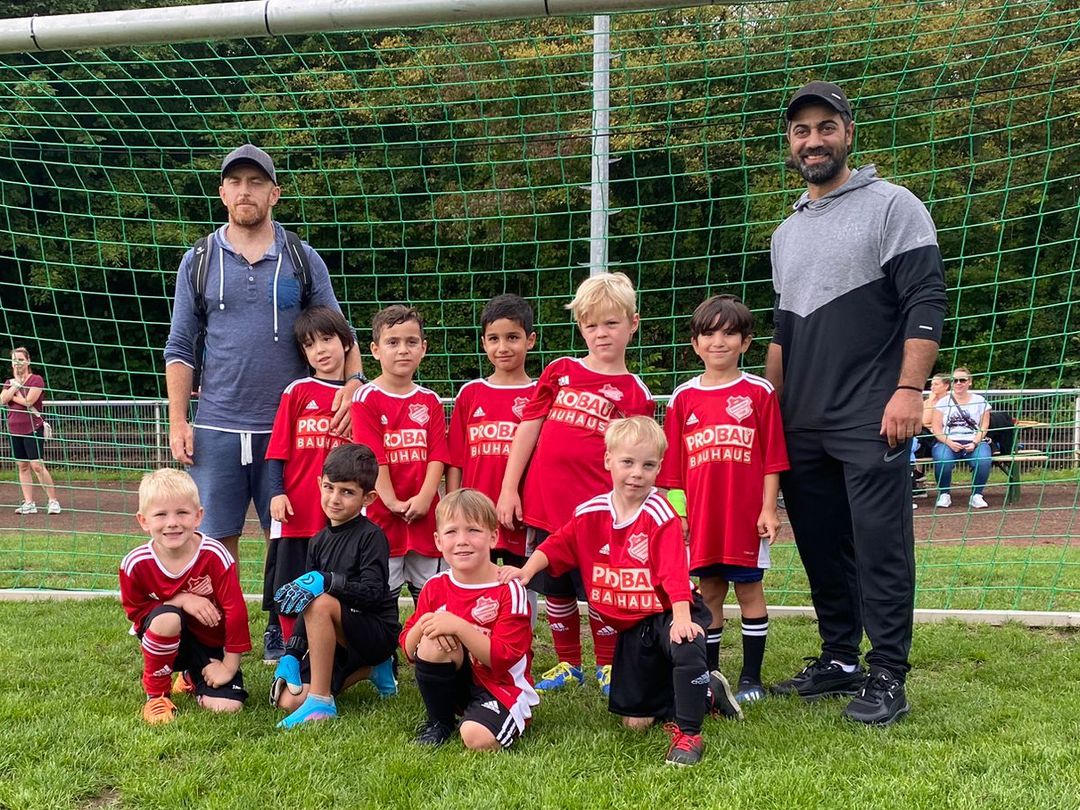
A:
855,274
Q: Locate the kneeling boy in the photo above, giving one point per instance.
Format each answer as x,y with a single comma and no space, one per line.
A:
470,637
347,619
182,595
628,546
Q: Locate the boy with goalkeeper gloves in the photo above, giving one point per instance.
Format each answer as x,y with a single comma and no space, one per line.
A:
346,618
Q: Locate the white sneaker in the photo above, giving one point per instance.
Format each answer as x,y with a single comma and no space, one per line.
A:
54,507
944,500
978,502
27,508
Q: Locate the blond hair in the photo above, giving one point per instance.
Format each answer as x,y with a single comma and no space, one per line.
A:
634,431
603,293
166,483
471,505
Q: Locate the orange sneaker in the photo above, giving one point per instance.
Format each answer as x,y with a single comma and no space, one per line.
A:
159,710
182,684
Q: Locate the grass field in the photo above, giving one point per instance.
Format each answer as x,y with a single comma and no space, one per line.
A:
995,723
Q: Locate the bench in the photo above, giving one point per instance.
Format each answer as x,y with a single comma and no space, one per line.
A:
1010,465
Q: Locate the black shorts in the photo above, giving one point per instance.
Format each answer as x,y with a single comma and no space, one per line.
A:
370,639
193,655
27,446
474,702
641,684
567,585
286,559
501,556
730,573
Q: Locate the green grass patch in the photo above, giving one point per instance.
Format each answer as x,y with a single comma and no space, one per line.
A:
979,735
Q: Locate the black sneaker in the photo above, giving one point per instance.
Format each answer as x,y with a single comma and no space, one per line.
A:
880,702
434,733
820,679
273,644
721,700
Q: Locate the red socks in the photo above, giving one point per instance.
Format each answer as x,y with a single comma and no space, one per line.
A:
565,621
604,637
159,652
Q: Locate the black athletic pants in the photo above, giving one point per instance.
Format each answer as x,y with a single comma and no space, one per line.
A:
848,497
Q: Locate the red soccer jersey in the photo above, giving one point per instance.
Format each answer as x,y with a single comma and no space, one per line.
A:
482,429
501,612
145,584
630,570
567,467
301,438
406,432
722,442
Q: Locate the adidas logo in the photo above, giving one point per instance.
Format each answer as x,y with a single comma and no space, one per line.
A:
692,419
607,630
384,420
165,670
312,405
605,549
492,705
479,412
564,379
237,687
702,680
558,627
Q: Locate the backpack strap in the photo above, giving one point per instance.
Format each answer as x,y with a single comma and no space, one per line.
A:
198,272
301,270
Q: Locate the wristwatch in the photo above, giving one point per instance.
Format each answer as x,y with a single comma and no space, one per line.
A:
357,376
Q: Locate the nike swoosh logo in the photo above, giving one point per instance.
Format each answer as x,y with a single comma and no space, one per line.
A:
926,238
894,455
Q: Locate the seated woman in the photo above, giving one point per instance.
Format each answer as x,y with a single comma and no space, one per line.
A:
960,421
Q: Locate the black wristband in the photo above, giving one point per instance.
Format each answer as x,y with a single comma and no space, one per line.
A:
357,376
908,388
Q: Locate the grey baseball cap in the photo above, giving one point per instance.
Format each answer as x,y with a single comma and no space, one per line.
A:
249,153
819,92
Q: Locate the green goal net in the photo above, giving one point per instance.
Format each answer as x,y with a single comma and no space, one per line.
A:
441,165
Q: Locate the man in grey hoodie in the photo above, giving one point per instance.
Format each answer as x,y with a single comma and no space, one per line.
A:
859,309
253,296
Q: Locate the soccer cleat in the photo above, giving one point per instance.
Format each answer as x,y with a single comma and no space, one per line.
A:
603,677
27,508
685,749
944,500
158,711
819,679
881,701
311,710
977,501
434,733
54,507
382,675
720,699
559,676
749,691
182,684
273,644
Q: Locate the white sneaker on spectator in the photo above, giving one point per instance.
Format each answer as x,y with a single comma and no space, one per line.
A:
27,508
978,501
54,507
944,500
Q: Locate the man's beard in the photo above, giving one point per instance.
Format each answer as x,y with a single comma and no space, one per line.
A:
248,217
819,173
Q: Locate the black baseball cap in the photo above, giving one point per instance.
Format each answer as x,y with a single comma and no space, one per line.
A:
825,93
249,153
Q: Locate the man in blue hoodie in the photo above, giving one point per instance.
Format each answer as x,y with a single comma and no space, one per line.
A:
858,311
253,295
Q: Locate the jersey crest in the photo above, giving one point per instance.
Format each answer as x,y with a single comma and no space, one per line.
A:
201,586
611,392
485,610
519,406
739,407
419,413
637,546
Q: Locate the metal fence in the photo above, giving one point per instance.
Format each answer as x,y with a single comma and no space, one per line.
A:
134,434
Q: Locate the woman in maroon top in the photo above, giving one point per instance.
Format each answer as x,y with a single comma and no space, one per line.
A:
22,397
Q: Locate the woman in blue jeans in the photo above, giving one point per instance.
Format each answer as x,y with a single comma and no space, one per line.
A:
960,422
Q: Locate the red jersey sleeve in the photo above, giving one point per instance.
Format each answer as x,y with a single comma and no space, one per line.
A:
561,548
134,598
668,561
544,395
511,635
776,458
671,470
423,606
280,446
437,449
234,609
366,427
457,437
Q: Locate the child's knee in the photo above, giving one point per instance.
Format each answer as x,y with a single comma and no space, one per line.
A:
166,623
477,737
637,723
322,605
429,650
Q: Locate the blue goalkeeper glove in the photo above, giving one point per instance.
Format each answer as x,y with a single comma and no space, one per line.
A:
294,596
286,676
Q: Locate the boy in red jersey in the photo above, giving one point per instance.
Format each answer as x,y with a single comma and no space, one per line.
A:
347,619
182,594
487,412
470,637
299,443
628,545
726,451
406,427
561,440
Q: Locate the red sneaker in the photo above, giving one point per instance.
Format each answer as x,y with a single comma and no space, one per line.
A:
685,749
